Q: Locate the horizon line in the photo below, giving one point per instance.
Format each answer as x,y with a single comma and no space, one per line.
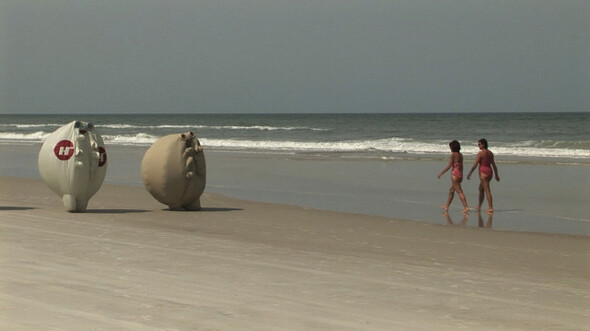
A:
313,113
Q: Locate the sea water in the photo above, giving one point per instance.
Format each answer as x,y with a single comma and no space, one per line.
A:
380,164
562,137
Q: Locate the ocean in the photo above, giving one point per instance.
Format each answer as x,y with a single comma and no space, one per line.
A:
544,137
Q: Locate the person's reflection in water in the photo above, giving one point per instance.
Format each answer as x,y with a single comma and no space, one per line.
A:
450,221
480,220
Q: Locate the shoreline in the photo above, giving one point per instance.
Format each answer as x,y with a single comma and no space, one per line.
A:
406,189
484,218
130,263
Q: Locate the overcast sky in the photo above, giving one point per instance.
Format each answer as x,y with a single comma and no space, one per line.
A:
299,56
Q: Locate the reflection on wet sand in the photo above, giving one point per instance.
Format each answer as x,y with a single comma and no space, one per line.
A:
480,220
463,221
488,224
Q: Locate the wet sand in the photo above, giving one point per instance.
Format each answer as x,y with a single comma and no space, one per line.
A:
407,189
130,264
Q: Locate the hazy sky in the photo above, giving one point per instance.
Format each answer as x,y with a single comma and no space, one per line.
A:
274,56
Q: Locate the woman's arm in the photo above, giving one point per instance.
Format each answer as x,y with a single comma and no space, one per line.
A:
447,168
494,167
477,159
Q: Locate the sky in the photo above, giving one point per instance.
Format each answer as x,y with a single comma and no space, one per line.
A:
296,56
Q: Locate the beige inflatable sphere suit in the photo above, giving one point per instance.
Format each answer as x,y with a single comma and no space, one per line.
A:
173,171
73,163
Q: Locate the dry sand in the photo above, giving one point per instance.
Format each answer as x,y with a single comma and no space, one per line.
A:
130,264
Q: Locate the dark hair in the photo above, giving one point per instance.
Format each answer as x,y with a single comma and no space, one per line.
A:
455,146
484,142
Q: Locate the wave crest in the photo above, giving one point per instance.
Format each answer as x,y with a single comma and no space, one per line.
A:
394,145
212,127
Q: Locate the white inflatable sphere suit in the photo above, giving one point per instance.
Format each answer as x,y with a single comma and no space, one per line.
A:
173,171
73,163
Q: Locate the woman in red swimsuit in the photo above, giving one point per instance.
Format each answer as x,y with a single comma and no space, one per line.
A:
456,163
485,159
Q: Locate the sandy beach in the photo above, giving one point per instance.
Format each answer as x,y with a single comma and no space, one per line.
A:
130,264
323,128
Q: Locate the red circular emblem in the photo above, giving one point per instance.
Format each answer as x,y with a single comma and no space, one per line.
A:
64,150
102,160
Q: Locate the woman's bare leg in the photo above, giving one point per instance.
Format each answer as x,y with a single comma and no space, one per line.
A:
481,196
485,184
457,187
450,199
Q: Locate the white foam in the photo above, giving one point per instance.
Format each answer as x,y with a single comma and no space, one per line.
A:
9,137
533,149
137,139
391,145
28,126
211,127
259,127
385,145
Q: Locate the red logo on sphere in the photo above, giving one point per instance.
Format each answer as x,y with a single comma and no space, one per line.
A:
102,160
64,150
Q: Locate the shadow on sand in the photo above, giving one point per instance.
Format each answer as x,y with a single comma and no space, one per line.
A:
205,210
211,209
116,211
16,208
